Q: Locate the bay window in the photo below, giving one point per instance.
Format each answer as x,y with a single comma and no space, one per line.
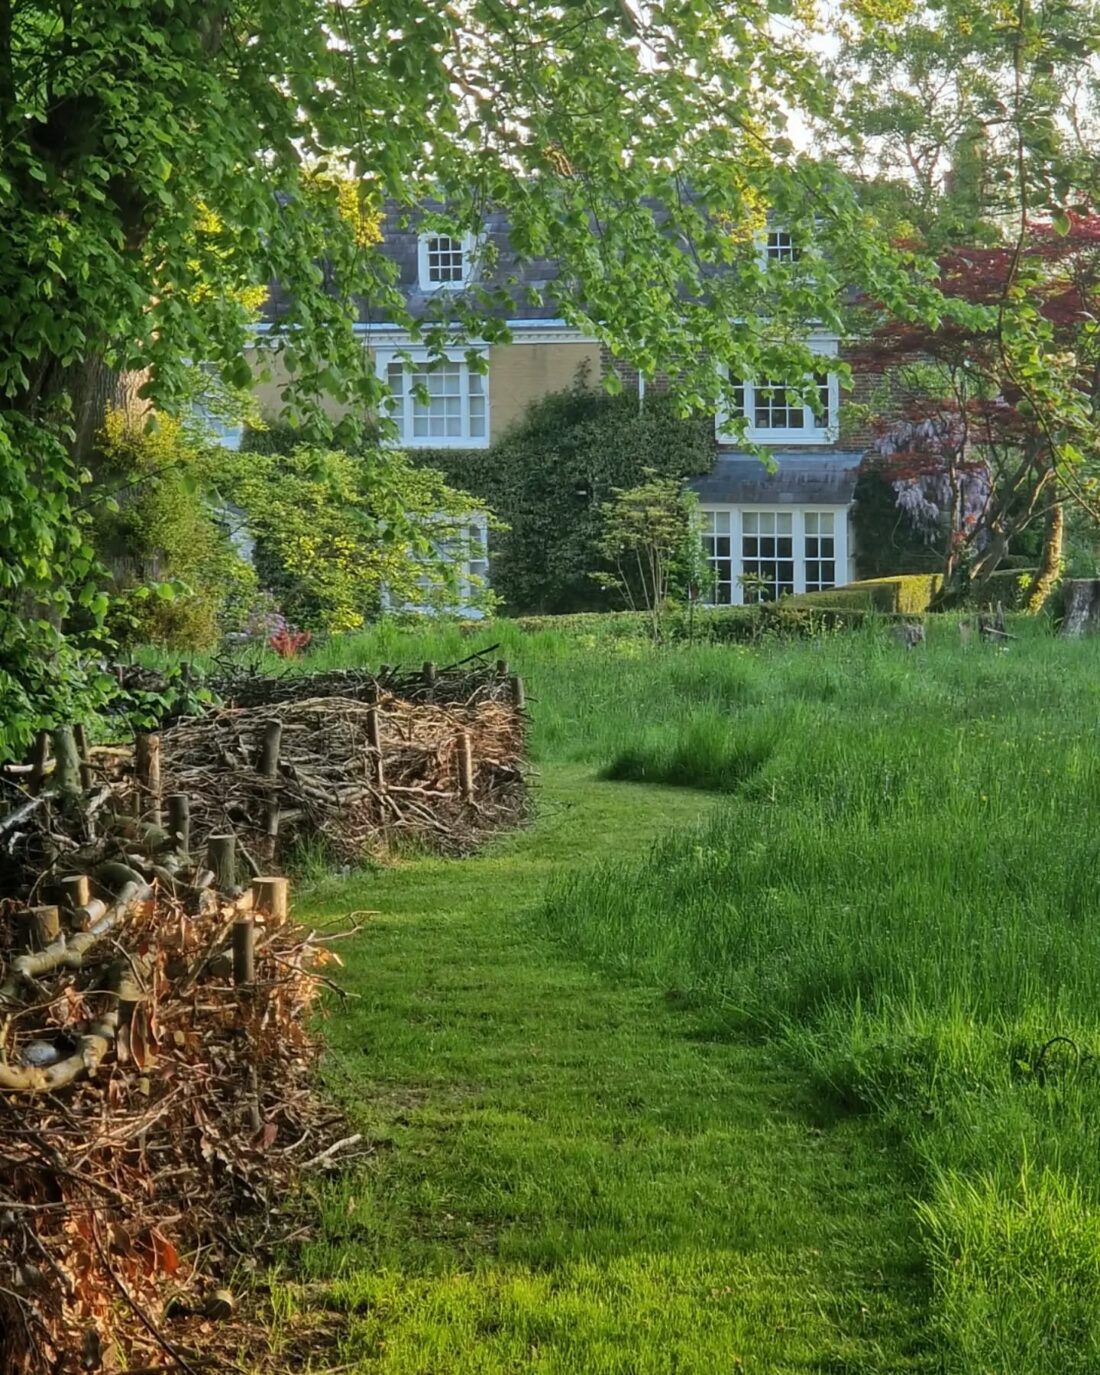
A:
758,555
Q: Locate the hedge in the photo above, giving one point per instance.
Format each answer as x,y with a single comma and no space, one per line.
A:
911,594
718,625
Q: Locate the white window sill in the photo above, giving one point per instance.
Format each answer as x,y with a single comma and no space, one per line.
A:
422,442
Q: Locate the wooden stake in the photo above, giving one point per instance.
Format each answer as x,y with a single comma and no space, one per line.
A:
269,751
519,692
244,951
80,735
77,889
272,818
39,759
431,674
374,739
271,896
221,856
465,766
179,821
67,770
42,925
147,767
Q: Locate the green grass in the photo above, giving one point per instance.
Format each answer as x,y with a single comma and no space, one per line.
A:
579,1175
905,895
896,900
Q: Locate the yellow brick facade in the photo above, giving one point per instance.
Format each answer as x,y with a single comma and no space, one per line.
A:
518,375
522,373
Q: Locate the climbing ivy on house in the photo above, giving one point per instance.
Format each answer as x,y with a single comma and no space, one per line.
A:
550,478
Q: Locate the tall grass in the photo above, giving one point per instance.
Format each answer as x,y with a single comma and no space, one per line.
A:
903,885
906,889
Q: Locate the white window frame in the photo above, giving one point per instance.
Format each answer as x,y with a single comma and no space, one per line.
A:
798,514
474,564
467,244
402,407
812,432
785,252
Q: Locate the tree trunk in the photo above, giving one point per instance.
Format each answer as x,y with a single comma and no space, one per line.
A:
1082,607
1050,564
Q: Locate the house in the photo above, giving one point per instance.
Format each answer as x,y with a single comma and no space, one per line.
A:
768,530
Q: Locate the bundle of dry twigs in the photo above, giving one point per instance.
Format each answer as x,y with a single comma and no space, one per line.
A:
157,1102
357,776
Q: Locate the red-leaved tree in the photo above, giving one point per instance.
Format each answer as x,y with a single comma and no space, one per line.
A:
994,424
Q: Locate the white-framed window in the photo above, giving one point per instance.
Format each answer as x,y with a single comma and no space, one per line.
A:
780,247
767,555
465,548
760,554
439,404
820,550
776,413
445,261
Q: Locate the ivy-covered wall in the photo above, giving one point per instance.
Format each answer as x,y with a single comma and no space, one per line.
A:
548,477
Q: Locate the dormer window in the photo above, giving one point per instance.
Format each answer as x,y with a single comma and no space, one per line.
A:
445,261
780,247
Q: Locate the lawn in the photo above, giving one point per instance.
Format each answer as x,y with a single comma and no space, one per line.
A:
889,911
578,1173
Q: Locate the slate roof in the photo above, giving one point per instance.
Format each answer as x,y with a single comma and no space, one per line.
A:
400,243
819,479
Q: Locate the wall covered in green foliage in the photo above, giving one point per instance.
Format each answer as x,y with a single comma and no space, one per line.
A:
549,476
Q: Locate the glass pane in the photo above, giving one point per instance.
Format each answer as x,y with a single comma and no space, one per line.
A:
444,259
784,522
811,522
748,522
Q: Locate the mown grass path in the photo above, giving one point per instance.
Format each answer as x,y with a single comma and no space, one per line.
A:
576,1175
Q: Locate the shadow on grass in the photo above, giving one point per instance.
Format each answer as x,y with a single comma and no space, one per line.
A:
704,755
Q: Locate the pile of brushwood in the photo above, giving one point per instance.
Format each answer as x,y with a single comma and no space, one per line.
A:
158,1098
354,761
158,1101
337,763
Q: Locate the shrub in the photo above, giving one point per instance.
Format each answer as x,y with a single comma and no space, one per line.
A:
155,523
906,594
710,625
340,535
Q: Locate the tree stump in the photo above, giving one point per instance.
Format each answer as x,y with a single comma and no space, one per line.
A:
1082,613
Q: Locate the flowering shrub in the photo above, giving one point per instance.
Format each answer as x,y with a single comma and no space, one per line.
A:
289,643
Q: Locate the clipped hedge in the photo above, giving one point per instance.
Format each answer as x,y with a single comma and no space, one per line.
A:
1009,586
911,594
905,594
718,625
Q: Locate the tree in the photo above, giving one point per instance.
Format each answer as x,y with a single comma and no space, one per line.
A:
649,534
162,162
339,533
1009,433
